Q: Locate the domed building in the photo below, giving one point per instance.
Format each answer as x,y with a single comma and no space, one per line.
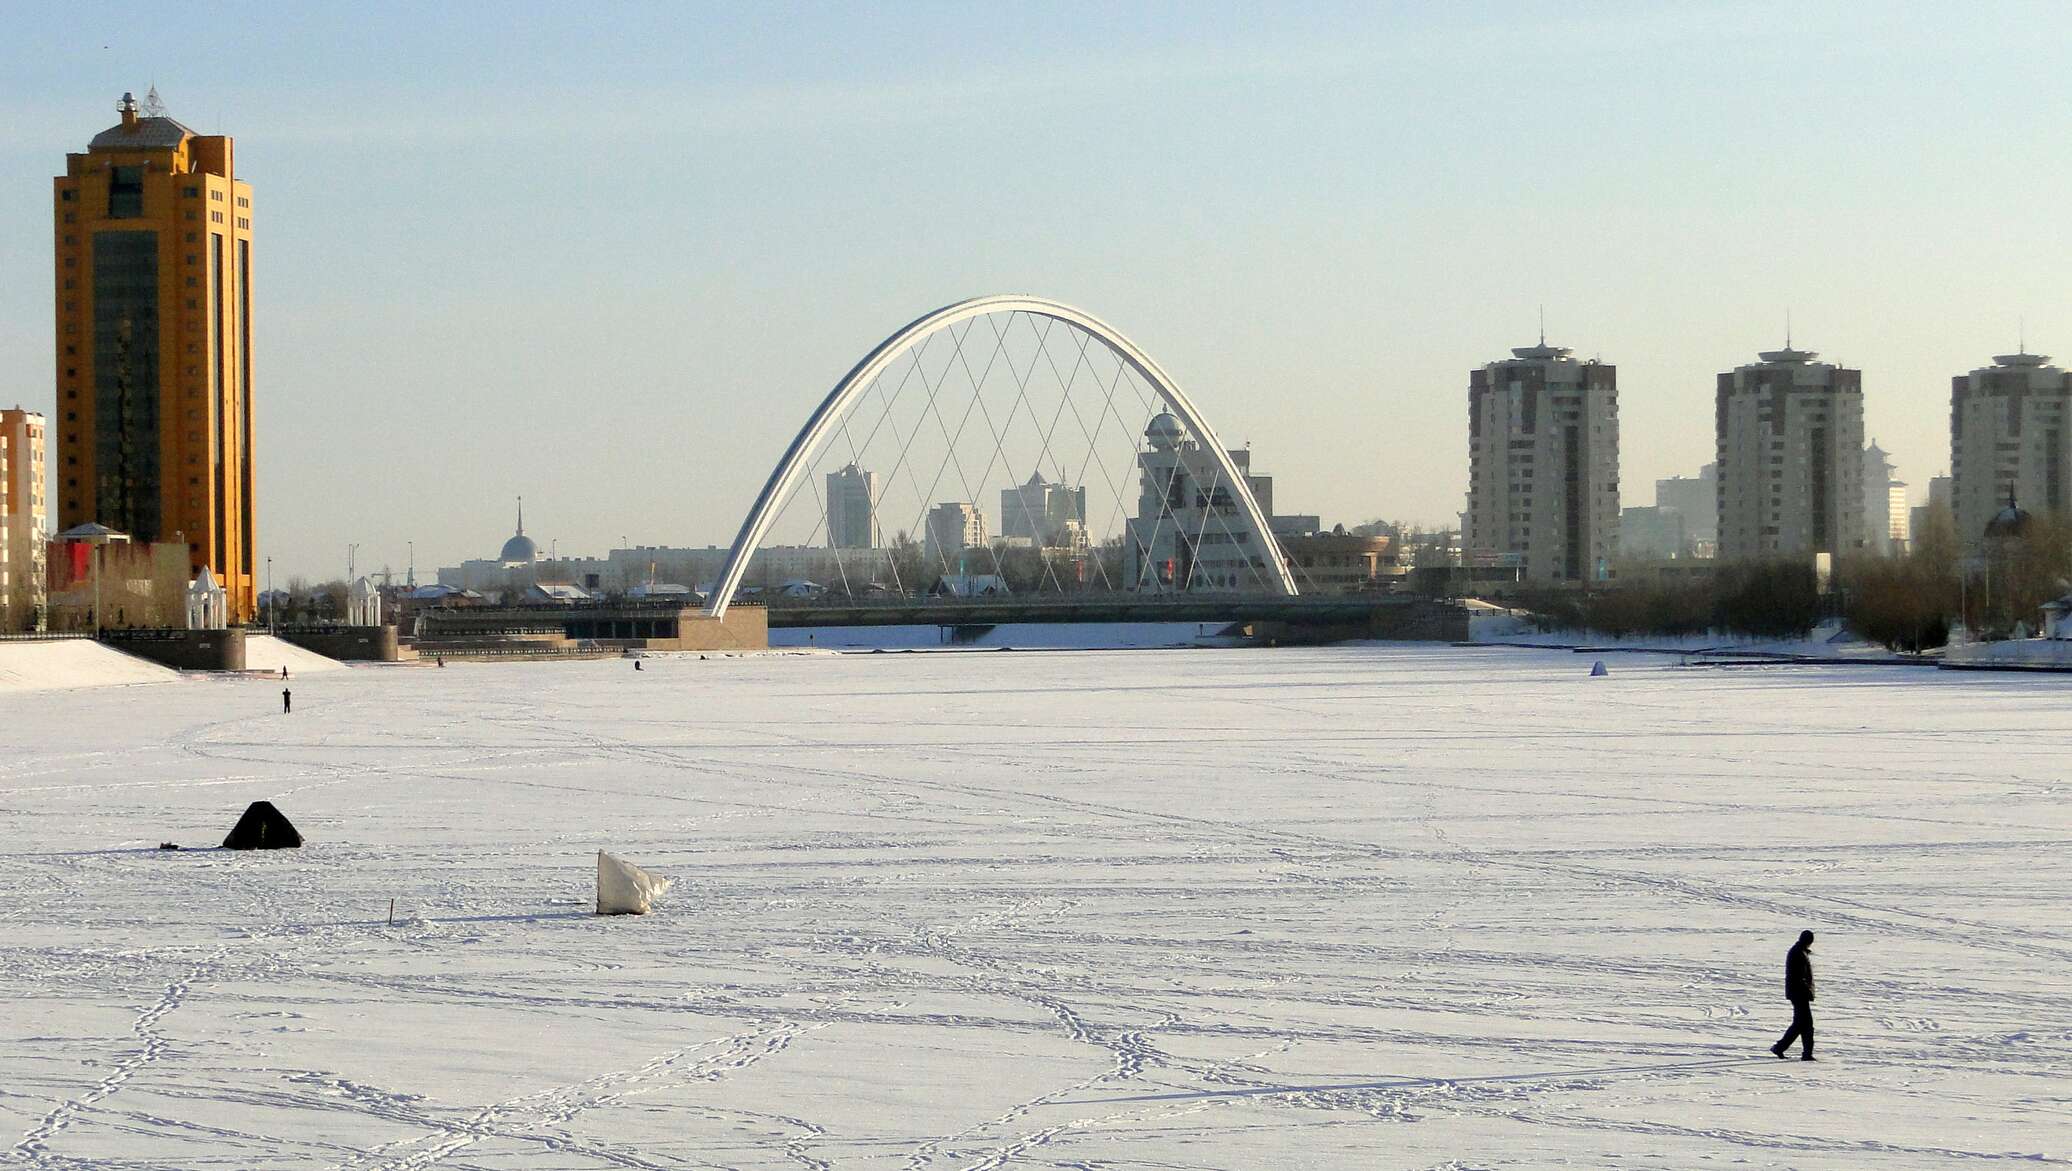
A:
1189,533
515,567
2009,524
520,549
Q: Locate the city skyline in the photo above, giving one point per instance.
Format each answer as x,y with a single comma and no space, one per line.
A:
1332,241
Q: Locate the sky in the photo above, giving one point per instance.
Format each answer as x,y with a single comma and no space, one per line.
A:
611,256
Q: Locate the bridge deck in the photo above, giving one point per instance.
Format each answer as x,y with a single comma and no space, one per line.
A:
1332,611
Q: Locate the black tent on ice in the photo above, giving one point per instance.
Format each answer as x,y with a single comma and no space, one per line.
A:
262,828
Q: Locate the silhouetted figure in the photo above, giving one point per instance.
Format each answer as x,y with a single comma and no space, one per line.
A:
284,670
1798,988
636,664
287,702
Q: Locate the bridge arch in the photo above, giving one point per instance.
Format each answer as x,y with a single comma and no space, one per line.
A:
798,458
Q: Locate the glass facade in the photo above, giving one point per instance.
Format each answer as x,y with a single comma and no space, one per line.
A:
219,532
243,428
125,306
125,193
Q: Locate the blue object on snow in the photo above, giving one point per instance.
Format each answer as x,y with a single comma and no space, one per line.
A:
1597,670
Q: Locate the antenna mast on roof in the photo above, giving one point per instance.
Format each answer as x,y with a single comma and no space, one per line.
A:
153,107
1543,323
1787,327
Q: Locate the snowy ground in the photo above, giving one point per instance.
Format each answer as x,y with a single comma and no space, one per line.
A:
1359,907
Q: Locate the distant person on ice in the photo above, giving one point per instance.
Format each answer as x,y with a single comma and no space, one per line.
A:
284,671
1798,988
287,702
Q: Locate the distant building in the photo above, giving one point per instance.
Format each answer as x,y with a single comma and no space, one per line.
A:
1043,514
100,577
154,344
1653,534
852,509
1884,504
515,566
1696,500
1189,532
1336,562
1936,513
24,520
953,528
2010,436
1543,465
1790,435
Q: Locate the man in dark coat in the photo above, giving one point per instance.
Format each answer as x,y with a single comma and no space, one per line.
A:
1798,988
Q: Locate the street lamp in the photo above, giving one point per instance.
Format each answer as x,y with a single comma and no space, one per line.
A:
273,604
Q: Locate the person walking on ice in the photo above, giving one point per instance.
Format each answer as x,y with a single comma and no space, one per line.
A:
287,702
1798,988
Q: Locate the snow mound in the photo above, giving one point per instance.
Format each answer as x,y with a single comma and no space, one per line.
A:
264,652
72,662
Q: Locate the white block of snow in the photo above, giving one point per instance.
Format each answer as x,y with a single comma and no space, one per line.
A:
265,652
625,889
31,665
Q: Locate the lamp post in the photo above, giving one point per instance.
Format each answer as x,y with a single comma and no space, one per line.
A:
273,604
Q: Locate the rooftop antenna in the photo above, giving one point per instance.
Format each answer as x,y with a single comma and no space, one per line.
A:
1787,327
2021,334
521,516
1543,323
153,108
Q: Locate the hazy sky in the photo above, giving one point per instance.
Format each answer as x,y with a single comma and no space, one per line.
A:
610,256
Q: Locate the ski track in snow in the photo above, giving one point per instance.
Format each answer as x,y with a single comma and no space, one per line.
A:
1406,907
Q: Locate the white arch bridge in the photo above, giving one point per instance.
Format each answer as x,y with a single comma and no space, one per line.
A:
985,386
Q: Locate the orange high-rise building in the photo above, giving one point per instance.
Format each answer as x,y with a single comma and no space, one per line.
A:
154,343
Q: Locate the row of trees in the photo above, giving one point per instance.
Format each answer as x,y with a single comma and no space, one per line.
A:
1767,600
1910,602
1993,588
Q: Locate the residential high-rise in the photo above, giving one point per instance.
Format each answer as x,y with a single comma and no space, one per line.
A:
24,527
1696,499
852,509
154,331
1790,435
1041,512
2010,435
1543,464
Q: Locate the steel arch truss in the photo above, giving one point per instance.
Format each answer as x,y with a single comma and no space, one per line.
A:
799,457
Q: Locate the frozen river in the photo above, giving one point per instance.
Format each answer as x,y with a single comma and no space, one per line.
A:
1349,907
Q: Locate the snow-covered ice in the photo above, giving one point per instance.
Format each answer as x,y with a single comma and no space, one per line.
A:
1353,907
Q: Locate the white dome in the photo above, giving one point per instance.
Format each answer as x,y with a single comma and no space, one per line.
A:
1164,431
